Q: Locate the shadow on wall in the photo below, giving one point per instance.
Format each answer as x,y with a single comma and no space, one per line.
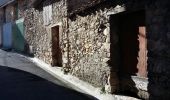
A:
93,10
18,38
158,50
123,55
22,85
39,4
18,42
125,50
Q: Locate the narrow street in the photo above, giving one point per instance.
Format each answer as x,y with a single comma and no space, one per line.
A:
16,84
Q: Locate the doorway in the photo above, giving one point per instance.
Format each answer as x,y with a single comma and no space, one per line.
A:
18,35
133,44
129,43
7,36
56,50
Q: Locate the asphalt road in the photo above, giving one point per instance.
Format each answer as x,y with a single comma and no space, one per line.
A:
19,85
21,79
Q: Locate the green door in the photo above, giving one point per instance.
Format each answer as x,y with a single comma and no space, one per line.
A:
18,35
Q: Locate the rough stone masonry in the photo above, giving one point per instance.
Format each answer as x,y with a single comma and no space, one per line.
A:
85,40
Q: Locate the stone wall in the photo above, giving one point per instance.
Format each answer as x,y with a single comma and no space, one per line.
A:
89,38
90,46
93,56
78,5
158,49
21,5
38,36
60,18
85,41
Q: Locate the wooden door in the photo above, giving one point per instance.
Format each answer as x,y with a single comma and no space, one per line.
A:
7,35
56,50
18,35
133,44
142,54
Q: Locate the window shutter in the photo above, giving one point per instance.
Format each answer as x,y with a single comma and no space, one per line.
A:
47,14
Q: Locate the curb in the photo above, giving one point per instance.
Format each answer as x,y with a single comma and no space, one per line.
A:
75,83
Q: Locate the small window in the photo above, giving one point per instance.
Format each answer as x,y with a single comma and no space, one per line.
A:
47,14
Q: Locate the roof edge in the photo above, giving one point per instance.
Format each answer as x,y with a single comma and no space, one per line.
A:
6,3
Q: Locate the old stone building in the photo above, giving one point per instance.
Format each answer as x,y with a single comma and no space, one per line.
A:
45,27
100,50
118,45
123,41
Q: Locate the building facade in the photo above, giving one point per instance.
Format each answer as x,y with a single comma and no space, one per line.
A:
122,41
116,45
12,25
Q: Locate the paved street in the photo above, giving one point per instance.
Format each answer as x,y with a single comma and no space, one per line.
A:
20,85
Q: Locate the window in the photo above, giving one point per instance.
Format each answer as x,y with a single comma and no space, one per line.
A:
47,14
